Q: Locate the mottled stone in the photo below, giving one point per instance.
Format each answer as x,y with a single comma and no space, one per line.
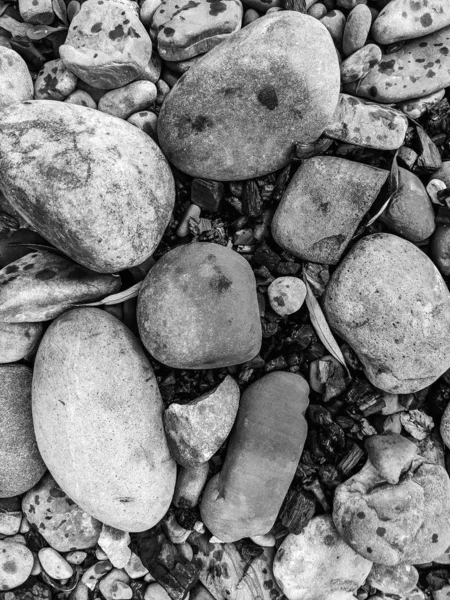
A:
16,562
81,98
16,84
286,295
37,12
360,63
54,81
129,99
115,544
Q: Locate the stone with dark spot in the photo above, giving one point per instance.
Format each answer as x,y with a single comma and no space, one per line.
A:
404,79
360,63
21,465
54,82
197,308
99,189
300,225
399,580
16,562
247,137
426,17
18,340
67,526
188,28
398,322
107,45
37,12
196,430
317,564
16,84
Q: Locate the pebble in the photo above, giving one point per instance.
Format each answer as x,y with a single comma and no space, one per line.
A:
360,63
395,509
54,81
147,121
435,186
21,465
256,128
37,12
174,531
192,212
16,84
267,541
223,330
399,580
129,99
250,16
262,454
318,564
9,521
73,8
440,249
189,485
16,563
154,591
443,173
318,10
121,591
108,585
410,212
310,222
76,557
18,340
335,21
197,429
163,90
107,45
398,284
135,568
95,572
286,295
147,11
404,20
416,107
445,426
54,564
152,71
81,98
37,569
356,29
24,525
115,544
195,30
367,124
100,554
416,69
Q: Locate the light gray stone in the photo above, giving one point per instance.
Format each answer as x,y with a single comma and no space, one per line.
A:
16,84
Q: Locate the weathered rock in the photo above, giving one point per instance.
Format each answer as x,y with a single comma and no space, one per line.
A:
416,69
43,285
129,99
37,12
61,522
367,124
399,580
147,121
323,205
107,46
16,84
231,118
189,486
108,583
318,565
356,29
184,29
115,544
263,451
196,430
408,19
410,213
440,248
390,303
81,98
395,510
16,562
99,189
416,107
286,295
54,564
97,407
54,81
21,465
180,330
17,340
360,63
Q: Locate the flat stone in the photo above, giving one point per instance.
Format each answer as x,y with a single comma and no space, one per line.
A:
16,84
107,45
323,205
408,19
185,29
384,280
61,522
54,564
196,430
115,544
16,562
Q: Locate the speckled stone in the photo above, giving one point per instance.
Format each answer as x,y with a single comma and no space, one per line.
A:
54,81
360,63
61,522
286,295
16,562
18,339
16,84
37,12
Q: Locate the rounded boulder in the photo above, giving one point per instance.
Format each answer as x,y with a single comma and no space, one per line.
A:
239,111
97,414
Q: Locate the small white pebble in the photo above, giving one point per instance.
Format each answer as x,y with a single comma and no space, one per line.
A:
100,554
121,591
76,557
54,564
267,541
286,295
36,570
24,526
433,187
192,212
149,578
135,568
96,572
186,551
155,591
199,527
174,531
215,540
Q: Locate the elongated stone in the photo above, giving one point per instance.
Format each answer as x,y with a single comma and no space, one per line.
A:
360,63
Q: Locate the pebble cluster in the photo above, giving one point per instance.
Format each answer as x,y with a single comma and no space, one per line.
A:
224,301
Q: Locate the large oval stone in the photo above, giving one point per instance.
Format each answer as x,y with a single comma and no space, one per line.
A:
198,309
390,303
97,414
21,465
237,113
96,187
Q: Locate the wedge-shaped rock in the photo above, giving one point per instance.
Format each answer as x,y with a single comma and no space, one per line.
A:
367,124
43,285
323,205
95,186
233,117
408,19
390,303
97,409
